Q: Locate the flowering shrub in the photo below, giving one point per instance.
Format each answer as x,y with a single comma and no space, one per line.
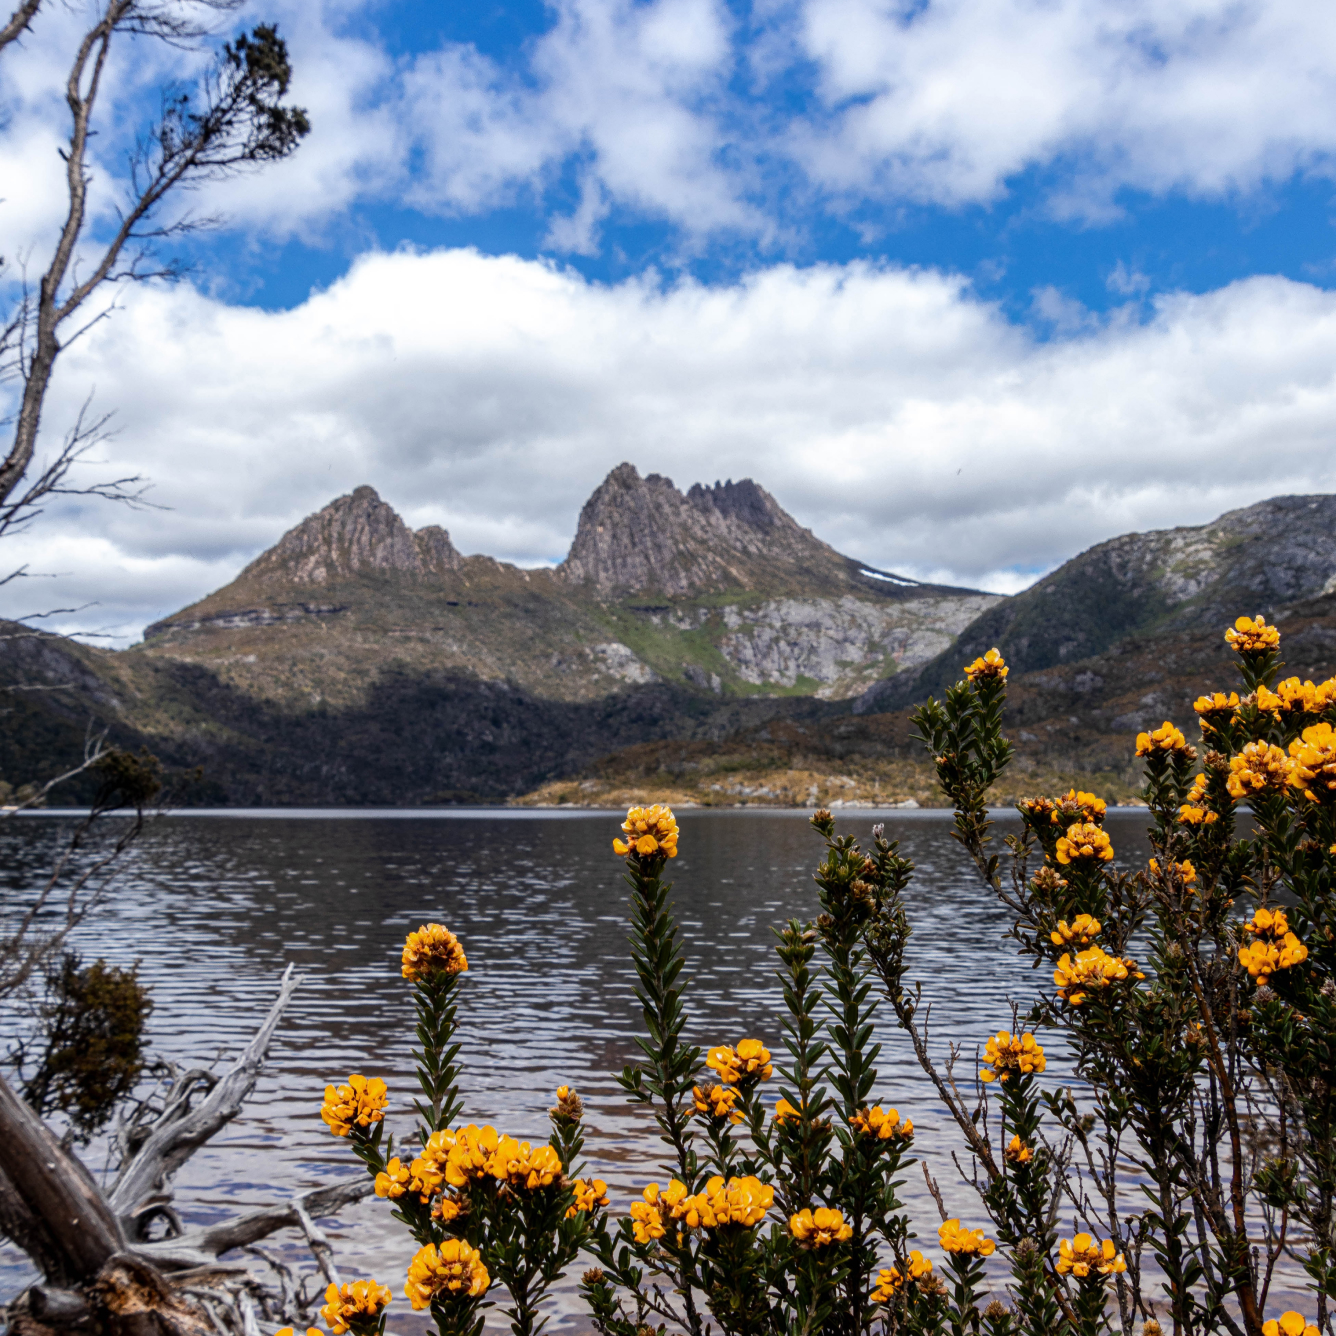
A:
1194,1156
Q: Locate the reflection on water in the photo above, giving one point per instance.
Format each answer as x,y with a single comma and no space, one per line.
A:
214,908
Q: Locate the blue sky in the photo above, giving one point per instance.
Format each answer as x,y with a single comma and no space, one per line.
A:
967,284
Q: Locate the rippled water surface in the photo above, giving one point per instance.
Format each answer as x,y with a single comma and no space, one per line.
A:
215,907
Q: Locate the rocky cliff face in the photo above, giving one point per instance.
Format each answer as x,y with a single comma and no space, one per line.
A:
354,534
1258,559
639,535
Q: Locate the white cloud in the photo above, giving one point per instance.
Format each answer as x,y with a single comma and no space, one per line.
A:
902,419
945,101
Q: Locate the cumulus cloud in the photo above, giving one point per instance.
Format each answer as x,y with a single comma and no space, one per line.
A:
902,419
945,101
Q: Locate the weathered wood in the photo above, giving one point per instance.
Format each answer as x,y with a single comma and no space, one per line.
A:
200,1247
173,1142
51,1184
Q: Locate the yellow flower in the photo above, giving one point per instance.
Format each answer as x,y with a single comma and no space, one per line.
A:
392,1181
988,665
447,1208
1085,1254
310,1331
1274,947
1084,840
1185,870
881,1125
716,1101
428,1170
522,1166
1082,930
1216,703
1037,809
1004,1055
432,949
966,1242
1289,1324
591,1194
740,1201
470,1154
454,1270
1295,697
784,1111
651,832
1251,635
750,1061
1018,1152
820,1227
1260,767
569,1107
647,1215
1194,812
1313,763
891,1280
1091,969
355,1305
1166,738
358,1104
1077,806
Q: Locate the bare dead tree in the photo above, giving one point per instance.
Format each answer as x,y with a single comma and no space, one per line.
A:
19,22
233,120
100,1269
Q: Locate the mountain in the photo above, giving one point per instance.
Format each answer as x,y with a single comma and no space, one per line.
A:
1258,559
359,661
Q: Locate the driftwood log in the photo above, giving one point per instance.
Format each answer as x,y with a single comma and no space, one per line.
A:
102,1274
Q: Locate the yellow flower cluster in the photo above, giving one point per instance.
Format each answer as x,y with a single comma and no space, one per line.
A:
1085,1255
591,1194
1185,870
651,832
1166,738
1078,806
784,1111
1261,767
1037,808
454,1270
1194,812
1313,763
393,1180
739,1201
987,665
716,1101
1091,969
1004,1054
1274,947
522,1166
820,1227
432,949
1289,1324
881,1124
891,1280
750,1061
1018,1152
1216,703
358,1104
1082,930
965,1242
355,1305
427,1172
1084,840
1251,635
310,1331
1295,697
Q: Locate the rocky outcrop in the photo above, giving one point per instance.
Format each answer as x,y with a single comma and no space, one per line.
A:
840,645
642,535
1257,559
354,534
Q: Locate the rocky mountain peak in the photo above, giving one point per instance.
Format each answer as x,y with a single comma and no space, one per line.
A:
643,534
353,534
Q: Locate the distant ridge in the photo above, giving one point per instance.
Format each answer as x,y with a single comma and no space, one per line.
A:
1255,559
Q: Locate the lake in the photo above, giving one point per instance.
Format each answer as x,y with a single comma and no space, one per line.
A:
215,906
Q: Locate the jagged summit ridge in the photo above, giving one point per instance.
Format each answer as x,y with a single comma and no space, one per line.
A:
354,534
643,534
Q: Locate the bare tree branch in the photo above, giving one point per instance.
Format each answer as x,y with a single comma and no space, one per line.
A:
19,22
